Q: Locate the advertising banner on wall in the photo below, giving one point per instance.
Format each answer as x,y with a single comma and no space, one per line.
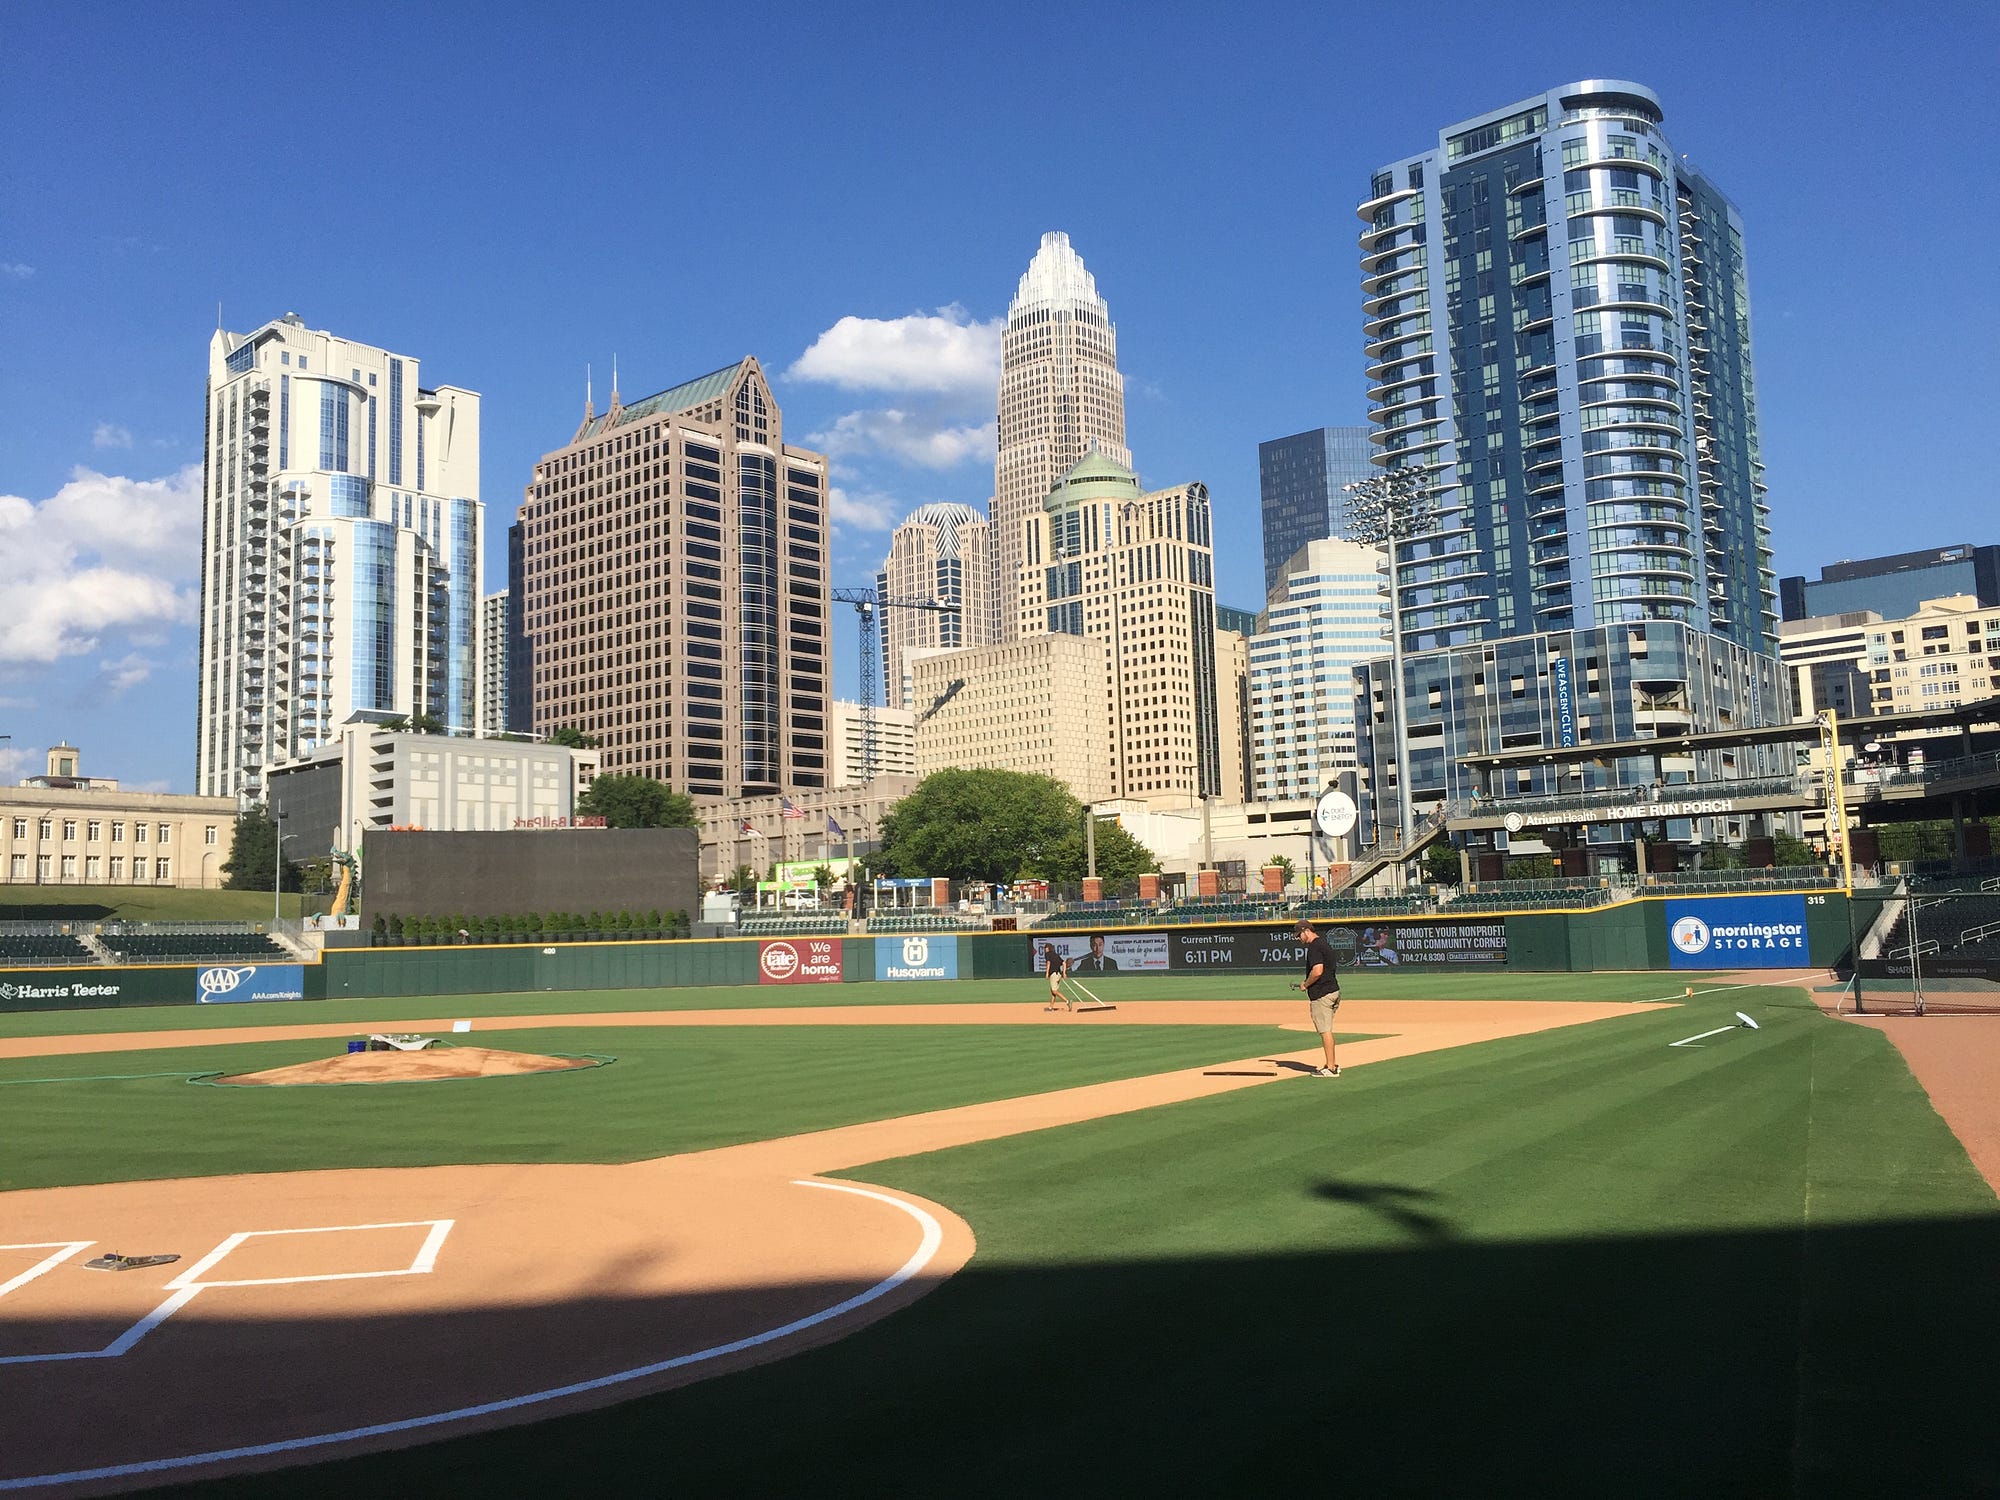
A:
799,961
1736,932
1105,952
918,956
228,983
1376,945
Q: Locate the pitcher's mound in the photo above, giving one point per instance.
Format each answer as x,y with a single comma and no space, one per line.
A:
412,1067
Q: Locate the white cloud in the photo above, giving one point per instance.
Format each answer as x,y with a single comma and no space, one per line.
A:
15,271
110,435
14,764
104,553
115,677
867,510
919,438
944,353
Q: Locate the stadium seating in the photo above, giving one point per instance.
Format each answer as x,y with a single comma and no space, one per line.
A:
192,947
792,926
919,921
29,949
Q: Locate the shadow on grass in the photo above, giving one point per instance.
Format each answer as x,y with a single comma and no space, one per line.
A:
1836,1361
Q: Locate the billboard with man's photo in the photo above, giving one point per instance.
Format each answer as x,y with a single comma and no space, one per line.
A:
1104,952
1369,945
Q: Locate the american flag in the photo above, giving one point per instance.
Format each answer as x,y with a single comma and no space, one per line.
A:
789,809
834,828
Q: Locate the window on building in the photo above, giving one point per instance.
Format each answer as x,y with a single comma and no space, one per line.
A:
163,869
138,833
166,833
117,867
69,830
117,833
208,834
94,831
69,867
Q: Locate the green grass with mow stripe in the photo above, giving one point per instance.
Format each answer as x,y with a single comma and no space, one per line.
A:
121,1116
1274,986
1575,1263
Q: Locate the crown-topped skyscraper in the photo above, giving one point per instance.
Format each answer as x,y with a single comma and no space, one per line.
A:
1061,397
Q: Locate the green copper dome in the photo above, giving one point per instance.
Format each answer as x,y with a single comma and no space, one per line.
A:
1095,477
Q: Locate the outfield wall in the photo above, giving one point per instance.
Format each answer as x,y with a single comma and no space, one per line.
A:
1634,935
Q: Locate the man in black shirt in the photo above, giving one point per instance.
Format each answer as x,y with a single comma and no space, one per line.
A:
1322,987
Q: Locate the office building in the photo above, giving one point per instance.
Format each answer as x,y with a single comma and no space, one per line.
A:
342,535
1557,324
65,828
1232,713
1655,679
370,777
1894,586
1036,704
674,590
1938,656
1324,620
493,663
1061,397
1134,569
1302,487
944,554
810,827
1826,663
895,743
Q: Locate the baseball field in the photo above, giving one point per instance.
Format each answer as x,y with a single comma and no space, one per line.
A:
1547,1234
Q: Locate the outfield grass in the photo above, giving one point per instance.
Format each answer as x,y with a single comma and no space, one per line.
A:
1363,986
120,1117
1580,1262
141,903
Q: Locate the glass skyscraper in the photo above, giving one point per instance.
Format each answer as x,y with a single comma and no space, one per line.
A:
1302,481
1557,323
342,534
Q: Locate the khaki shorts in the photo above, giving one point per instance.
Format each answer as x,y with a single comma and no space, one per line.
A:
1322,1008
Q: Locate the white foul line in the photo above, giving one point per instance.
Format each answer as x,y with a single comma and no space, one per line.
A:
188,1283
933,1238
64,1249
1686,1039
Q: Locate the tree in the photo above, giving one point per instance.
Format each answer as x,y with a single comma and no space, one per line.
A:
253,853
1441,864
822,878
636,802
1786,850
1288,872
1120,857
742,880
572,738
426,724
999,826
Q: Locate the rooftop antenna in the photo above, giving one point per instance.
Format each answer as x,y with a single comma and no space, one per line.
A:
614,380
589,407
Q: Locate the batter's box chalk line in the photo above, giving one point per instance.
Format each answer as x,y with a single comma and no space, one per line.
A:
931,1239
189,1283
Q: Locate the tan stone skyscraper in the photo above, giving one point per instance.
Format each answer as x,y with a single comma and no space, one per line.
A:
942,552
1061,396
675,594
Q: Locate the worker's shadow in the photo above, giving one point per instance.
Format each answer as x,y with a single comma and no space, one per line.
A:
1398,1204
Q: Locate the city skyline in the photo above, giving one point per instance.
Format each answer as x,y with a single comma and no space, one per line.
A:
885,352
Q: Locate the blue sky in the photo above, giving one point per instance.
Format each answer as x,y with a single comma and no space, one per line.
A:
509,195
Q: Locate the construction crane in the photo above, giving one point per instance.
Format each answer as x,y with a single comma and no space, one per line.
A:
867,604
